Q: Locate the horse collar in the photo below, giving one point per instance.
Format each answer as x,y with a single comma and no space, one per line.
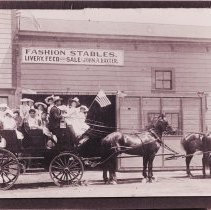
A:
154,134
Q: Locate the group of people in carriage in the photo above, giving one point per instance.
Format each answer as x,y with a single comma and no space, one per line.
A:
50,117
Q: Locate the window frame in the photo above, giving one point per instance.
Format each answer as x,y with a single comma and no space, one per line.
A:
5,97
153,78
166,113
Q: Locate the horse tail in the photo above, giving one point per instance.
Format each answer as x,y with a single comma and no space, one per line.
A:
206,153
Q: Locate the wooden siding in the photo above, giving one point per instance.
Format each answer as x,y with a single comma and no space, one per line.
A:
135,75
5,49
130,115
191,63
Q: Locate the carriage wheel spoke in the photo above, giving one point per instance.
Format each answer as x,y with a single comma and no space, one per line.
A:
58,164
10,180
9,162
60,160
57,176
74,174
9,168
58,168
8,172
65,160
75,164
75,169
61,178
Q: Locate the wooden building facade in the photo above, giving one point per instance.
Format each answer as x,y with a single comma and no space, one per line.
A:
7,76
158,74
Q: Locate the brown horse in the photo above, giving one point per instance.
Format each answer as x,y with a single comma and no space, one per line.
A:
194,142
145,144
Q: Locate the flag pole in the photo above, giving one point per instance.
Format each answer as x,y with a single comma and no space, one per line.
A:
92,102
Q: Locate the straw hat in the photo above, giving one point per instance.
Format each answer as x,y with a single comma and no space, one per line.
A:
31,100
76,99
40,103
84,107
49,98
57,98
62,108
25,100
10,112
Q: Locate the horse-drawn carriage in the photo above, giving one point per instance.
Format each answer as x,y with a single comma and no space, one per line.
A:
66,161
61,161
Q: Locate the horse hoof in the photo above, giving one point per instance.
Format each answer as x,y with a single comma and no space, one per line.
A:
113,182
190,175
154,179
144,180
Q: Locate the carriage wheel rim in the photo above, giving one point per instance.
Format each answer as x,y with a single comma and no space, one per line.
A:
66,169
9,169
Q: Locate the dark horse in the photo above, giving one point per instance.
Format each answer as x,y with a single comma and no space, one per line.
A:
194,142
145,144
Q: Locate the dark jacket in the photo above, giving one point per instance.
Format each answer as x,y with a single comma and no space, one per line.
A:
54,118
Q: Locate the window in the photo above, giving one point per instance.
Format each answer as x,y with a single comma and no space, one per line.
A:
163,79
173,120
3,99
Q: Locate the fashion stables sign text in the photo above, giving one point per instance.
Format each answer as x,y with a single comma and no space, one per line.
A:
73,56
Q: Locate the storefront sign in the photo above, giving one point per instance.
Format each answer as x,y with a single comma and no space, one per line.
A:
73,56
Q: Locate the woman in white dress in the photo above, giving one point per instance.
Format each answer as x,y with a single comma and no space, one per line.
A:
41,107
72,111
3,108
79,125
24,108
9,123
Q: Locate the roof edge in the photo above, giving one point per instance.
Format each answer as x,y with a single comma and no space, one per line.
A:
22,33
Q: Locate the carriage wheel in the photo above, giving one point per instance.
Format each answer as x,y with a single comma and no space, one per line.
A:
9,169
66,169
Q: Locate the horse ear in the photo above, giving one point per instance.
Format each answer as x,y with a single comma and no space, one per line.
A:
161,116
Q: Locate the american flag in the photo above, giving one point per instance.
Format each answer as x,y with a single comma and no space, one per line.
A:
102,99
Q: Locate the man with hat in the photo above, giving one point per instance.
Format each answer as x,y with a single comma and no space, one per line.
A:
50,101
55,115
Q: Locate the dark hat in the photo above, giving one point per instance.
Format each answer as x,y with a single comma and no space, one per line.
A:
32,110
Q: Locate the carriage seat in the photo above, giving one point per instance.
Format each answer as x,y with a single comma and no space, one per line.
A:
12,143
36,139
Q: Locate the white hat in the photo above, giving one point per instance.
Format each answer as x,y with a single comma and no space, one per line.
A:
76,99
31,100
24,100
62,108
57,98
10,112
48,98
84,107
40,103
3,105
